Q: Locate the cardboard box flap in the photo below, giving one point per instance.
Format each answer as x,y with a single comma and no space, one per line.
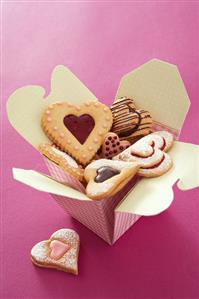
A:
154,195
26,105
44,183
157,87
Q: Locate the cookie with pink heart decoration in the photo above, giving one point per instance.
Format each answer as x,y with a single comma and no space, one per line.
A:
149,152
59,252
112,145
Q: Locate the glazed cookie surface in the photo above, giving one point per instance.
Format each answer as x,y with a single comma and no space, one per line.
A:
130,123
77,130
67,163
60,251
149,152
106,177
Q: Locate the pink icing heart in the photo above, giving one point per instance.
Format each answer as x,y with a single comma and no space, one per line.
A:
112,145
58,249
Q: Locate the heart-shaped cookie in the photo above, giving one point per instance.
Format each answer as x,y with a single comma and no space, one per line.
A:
60,118
130,123
106,177
112,145
59,252
149,152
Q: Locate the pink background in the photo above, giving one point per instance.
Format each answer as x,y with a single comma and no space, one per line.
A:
158,257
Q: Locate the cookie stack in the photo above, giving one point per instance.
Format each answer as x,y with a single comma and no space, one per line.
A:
102,147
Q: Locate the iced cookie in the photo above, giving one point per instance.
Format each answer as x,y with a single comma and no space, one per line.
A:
130,123
67,163
106,177
112,145
149,152
77,130
59,252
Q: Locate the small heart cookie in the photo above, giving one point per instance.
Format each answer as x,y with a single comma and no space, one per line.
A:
77,130
149,152
112,145
59,252
130,123
106,177
67,163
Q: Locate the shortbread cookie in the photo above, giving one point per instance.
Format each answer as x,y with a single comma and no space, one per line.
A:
59,252
112,145
130,123
77,130
106,177
67,163
149,152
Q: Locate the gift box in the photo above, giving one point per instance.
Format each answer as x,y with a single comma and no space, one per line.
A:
155,86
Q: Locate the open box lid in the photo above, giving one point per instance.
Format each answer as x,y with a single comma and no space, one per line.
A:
155,86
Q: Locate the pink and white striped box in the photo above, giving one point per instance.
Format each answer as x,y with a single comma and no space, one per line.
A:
155,86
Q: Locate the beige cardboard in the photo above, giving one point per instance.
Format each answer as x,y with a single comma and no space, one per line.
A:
26,105
44,183
154,195
157,87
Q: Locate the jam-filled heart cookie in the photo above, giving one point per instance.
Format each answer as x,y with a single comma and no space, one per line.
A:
67,163
149,152
106,177
59,252
77,130
130,123
112,145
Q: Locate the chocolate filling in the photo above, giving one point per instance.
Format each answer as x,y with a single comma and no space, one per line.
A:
104,173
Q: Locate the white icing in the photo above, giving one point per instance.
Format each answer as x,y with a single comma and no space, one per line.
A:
69,160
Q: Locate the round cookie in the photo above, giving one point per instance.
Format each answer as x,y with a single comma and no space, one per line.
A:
130,123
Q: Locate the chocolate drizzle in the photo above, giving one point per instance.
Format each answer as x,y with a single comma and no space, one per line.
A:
104,173
127,120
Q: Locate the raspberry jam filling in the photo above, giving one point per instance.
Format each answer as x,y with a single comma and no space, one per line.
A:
80,127
156,165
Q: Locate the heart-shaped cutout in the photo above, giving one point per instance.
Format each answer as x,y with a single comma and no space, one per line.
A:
59,252
112,145
54,123
80,127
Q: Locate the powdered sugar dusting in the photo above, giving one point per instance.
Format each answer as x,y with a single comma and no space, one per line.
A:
68,158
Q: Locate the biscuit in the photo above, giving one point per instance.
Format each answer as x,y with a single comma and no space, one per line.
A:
107,177
67,163
112,145
149,152
59,252
77,130
130,123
